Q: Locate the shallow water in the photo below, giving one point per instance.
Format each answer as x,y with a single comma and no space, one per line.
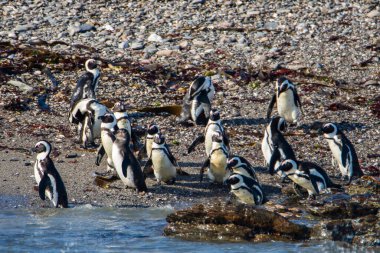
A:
91,229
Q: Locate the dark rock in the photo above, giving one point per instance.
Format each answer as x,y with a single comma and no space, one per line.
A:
336,230
229,222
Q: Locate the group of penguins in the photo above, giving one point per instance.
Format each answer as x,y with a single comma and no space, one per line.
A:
119,142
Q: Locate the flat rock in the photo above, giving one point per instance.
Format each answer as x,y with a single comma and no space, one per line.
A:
373,13
23,28
22,86
155,38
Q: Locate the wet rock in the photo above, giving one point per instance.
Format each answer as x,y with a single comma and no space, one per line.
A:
227,222
337,230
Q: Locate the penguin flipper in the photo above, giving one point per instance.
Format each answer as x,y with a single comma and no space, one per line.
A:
204,166
148,164
44,183
196,142
99,154
125,164
345,156
313,180
273,159
297,100
170,155
142,152
135,141
271,104
226,140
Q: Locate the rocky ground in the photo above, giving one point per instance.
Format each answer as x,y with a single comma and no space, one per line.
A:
149,52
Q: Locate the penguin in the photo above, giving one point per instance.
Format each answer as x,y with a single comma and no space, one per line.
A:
246,189
239,165
217,160
85,114
214,124
87,83
126,164
288,102
107,138
274,146
146,149
49,181
308,176
197,101
164,163
342,151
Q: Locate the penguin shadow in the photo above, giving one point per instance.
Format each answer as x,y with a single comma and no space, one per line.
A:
245,121
317,126
271,189
191,165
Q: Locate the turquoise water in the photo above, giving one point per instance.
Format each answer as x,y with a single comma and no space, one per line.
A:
91,229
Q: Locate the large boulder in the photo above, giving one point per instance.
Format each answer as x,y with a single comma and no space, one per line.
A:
228,222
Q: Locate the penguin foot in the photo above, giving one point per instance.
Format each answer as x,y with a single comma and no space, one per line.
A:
311,197
171,181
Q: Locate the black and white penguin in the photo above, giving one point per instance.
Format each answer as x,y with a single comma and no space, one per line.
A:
87,83
240,165
307,175
126,164
287,100
146,149
197,101
274,146
85,114
343,152
246,189
163,161
214,124
107,138
217,160
49,181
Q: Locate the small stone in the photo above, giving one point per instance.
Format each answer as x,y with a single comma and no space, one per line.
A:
27,163
183,44
12,35
155,38
13,159
23,28
198,1
374,13
165,52
137,45
123,45
22,86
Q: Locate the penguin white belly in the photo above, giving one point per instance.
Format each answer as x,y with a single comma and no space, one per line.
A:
244,196
163,168
117,159
303,182
286,107
208,138
218,164
99,110
266,148
149,143
53,193
337,154
36,172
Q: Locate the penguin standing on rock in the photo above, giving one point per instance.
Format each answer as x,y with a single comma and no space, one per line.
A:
197,101
87,83
343,152
217,160
164,163
274,146
85,114
214,124
287,100
126,164
49,181
246,189
107,137
308,176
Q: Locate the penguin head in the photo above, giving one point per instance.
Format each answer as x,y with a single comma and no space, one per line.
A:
214,115
123,135
233,163
119,107
42,147
159,139
107,118
90,65
287,166
217,137
283,84
278,123
330,129
153,129
235,181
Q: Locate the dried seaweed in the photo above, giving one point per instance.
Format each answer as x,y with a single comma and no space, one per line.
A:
339,107
375,107
171,109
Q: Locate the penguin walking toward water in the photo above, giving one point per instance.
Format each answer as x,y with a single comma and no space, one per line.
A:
288,102
217,160
164,163
240,165
246,189
49,181
87,83
308,176
126,164
197,101
85,114
107,137
214,124
274,146
343,152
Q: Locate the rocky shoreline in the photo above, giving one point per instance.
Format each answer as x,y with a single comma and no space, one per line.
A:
150,51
